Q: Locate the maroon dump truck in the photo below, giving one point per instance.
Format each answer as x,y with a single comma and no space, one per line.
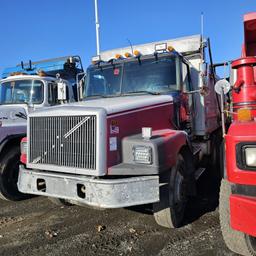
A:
149,125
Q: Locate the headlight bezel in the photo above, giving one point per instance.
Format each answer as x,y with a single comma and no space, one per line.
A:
241,149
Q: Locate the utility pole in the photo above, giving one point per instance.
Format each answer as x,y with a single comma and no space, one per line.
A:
97,24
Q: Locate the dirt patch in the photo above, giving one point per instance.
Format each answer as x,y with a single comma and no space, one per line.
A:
36,227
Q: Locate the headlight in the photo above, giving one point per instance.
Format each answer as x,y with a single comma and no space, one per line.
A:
250,157
142,154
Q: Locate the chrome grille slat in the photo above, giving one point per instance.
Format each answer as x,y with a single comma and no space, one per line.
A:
49,143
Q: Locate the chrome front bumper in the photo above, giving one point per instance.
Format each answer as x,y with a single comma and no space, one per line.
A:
103,193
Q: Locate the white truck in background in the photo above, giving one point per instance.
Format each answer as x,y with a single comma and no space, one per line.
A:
23,89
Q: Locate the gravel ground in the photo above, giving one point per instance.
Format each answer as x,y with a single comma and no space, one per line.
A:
38,227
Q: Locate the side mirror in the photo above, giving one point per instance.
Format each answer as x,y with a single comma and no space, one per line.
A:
81,86
62,93
222,86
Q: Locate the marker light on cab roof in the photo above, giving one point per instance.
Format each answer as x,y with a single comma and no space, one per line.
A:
118,56
127,55
170,48
41,73
137,53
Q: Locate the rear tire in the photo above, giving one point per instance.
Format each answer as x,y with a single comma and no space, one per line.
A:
236,241
9,172
169,212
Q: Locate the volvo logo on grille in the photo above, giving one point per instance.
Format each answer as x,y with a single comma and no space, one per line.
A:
76,127
36,160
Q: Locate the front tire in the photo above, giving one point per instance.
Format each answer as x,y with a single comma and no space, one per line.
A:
169,212
236,241
9,172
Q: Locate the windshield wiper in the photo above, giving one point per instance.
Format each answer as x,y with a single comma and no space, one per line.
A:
104,96
96,95
148,92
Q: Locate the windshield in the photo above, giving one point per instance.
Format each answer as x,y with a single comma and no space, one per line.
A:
155,76
22,91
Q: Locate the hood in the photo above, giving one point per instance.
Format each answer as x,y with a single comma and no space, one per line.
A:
109,105
13,115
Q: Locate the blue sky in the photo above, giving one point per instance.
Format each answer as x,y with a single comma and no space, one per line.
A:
33,29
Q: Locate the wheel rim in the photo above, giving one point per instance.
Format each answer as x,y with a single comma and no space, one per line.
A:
180,195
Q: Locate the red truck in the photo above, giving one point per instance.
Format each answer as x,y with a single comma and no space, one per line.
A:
147,127
238,188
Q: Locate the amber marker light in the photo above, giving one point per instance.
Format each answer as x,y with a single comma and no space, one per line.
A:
170,49
41,73
127,55
244,115
137,53
118,56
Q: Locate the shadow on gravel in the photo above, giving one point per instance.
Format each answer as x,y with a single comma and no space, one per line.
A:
207,200
145,209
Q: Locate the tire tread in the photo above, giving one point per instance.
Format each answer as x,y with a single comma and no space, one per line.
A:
234,240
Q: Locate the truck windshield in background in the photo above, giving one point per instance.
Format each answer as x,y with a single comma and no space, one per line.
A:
151,75
22,91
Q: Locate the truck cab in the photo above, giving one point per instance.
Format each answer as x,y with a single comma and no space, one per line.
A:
24,89
148,119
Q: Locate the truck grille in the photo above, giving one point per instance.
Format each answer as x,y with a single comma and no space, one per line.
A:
68,141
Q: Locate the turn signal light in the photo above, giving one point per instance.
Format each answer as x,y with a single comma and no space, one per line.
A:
244,115
146,133
170,49
23,149
137,53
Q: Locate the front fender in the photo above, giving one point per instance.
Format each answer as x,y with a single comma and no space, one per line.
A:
165,145
239,133
10,140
